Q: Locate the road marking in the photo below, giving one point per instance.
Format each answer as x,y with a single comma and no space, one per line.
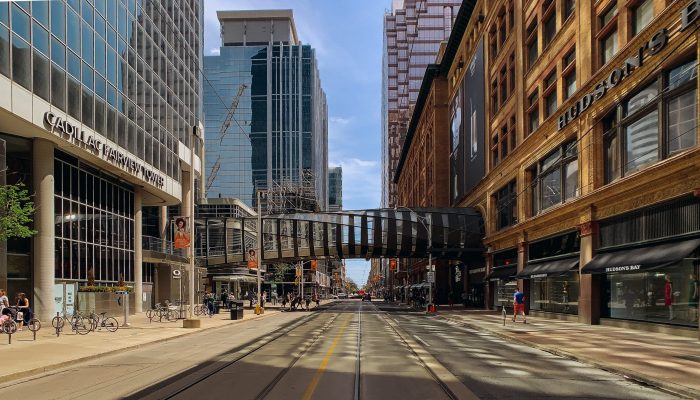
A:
324,363
421,340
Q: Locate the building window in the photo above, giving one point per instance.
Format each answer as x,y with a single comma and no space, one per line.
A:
533,112
608,35
555,178
635,136
569,73
506,205
642,14
532,50
569,8
550,94
549,22
503,141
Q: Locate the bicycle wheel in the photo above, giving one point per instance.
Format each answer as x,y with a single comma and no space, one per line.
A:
58,322
197,310
149,314
172,315
82,326
94,321
111,324
9,327
34,325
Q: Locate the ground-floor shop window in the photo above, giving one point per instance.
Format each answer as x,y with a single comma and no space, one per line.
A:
668,295
557,294
503,293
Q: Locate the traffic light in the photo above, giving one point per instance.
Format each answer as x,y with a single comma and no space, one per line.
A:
392,264
313,265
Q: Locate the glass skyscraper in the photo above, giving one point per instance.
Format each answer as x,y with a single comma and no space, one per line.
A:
265,111
100,101
335,189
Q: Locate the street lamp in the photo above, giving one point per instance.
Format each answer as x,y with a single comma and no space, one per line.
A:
429,227
258,308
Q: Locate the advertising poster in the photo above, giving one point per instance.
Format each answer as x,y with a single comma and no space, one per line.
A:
473,93
456,149
182,232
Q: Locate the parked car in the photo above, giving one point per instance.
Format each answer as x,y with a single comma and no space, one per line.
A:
342,295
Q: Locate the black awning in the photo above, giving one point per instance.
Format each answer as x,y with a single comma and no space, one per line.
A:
548,268
504,273
641,258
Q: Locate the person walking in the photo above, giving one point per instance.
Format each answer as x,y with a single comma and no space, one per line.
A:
308,301
23,307
519,304
285,299
274,297
224,299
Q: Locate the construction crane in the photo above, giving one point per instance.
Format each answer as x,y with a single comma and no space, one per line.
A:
222,133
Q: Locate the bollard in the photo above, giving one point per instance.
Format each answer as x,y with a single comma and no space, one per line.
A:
59,321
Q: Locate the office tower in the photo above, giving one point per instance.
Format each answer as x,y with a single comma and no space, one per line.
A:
413,30
335,189
266,116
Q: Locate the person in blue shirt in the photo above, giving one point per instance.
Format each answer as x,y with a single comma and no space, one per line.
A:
519,304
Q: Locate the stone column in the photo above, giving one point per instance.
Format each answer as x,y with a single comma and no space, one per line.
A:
138,250
523,284
44,241
589,287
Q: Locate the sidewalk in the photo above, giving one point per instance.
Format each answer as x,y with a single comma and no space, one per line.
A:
49,352
666,361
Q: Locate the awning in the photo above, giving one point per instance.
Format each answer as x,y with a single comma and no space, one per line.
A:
235,278
548,268
505,273
642,258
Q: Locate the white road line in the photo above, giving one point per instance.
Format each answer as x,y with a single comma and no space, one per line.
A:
421,340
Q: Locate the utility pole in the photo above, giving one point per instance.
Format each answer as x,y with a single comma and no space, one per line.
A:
430,259
258,308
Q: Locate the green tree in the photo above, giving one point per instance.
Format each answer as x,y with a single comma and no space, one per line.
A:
16,210
280,272
350,285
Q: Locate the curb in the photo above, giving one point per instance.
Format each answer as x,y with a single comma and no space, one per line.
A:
671,388
62,365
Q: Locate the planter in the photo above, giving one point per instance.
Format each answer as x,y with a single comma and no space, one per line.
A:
99,302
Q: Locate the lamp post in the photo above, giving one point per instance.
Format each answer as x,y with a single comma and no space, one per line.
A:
429,228
258,308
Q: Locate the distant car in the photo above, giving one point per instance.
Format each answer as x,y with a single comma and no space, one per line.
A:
342,295
355,296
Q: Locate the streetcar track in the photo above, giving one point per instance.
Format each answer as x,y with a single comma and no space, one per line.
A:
272,384
432,374
359,353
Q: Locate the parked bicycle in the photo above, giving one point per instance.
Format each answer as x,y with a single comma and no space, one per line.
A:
103,321
202,309
162,312
78,322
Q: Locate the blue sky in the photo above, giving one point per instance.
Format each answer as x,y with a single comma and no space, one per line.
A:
347,36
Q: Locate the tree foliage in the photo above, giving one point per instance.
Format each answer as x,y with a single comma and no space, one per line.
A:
16,211
351,285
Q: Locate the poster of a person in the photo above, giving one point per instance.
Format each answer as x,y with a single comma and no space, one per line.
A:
182,233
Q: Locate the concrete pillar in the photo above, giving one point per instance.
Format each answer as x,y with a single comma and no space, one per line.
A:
138,250
163,225
44,241
187,209
523,284
589,287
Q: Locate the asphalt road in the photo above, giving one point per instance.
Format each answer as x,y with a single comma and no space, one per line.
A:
349,350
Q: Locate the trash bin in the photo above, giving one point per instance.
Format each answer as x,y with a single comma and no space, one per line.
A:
236,310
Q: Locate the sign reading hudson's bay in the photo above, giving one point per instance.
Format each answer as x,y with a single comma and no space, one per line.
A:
78,137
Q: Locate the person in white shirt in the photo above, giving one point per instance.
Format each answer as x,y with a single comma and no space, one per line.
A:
4,301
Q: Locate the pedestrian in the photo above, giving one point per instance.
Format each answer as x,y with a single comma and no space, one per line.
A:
4,301
285,298
668,296
209,302
308,301
317,300
24,313
263,299
464,298
274,297
250,299
224,299
231,299
519,304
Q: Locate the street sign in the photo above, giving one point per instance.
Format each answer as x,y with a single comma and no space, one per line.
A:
431,277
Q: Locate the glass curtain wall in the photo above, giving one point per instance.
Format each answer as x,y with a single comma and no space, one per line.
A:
94,224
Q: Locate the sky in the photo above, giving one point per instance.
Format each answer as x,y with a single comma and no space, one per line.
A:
347,36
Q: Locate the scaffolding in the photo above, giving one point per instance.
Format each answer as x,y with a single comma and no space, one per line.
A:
291,195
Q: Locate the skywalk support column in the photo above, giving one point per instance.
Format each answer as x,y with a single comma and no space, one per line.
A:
44,220
138,250
187,209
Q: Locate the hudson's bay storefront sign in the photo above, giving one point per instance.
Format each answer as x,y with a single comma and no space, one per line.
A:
689,16
74,135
